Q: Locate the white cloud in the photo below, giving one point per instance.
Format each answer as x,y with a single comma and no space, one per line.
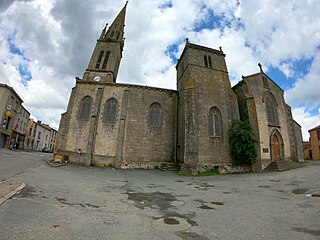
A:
305,91
306,121
57,38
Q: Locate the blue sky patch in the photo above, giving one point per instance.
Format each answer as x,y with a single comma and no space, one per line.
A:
12,47
211,20
279,78
25,74
300,68
172,51
166,5
315,111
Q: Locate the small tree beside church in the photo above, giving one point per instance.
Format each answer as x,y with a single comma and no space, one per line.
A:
242,142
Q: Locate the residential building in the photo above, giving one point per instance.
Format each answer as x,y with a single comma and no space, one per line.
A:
315,142
39,136
14,118
307,150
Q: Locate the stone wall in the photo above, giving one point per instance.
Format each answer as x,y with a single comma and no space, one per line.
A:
299,141
202,85
144,144
257,89
130,140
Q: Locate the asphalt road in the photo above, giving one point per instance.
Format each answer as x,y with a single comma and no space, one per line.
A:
13,162
74,202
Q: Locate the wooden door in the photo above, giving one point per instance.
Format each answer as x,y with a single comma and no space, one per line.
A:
275,144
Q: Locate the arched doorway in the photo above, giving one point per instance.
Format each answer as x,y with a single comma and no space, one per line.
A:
276,146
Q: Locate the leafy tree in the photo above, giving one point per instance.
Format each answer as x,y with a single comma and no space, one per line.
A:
242,141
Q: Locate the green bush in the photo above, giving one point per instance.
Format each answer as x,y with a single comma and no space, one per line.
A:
242,142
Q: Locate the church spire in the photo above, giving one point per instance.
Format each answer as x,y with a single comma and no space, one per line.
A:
116,30
103,33
106,57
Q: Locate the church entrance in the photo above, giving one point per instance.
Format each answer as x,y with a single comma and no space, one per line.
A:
276,146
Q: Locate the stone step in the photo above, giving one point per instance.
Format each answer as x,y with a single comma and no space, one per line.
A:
282,166
170,166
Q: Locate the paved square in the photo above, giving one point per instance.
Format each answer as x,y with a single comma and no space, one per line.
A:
73,202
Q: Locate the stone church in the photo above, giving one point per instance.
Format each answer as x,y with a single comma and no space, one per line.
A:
133,126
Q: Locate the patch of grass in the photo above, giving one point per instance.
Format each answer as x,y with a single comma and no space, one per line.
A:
210,172
110,165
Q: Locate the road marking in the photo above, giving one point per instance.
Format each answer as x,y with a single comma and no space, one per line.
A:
37,154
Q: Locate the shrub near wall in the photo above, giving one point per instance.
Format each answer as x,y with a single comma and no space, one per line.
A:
242,142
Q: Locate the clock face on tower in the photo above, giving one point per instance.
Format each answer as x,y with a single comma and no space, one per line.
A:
97,78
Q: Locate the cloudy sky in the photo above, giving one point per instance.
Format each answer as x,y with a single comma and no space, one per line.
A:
45,44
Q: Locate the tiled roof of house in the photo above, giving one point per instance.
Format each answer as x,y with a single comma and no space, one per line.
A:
315,128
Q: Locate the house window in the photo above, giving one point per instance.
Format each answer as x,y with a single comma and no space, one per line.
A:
215,122
205,61
110,111
105,61
155,115
318,133
85,108
99,59
272,113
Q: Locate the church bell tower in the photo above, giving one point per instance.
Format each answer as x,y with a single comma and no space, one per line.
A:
105,60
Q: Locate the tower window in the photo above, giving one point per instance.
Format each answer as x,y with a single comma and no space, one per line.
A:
99,59
205,61
105,61
118,35
215,122
110,111
112,34
155,115
272,112
85,108
210,64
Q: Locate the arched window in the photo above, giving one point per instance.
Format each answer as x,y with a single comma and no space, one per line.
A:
271,107
155,115
85,108
105,61
215,122
99,60
210,63
110,111
205,60
112,34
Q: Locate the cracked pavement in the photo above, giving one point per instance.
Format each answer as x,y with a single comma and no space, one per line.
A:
75,202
